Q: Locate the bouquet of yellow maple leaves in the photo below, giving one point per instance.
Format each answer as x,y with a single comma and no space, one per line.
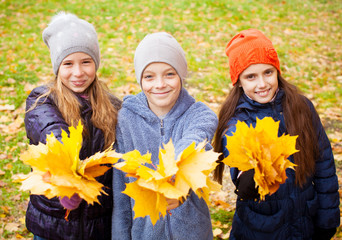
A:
170,179
261,149
57,170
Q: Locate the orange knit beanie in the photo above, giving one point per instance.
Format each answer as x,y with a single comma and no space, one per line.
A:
249,47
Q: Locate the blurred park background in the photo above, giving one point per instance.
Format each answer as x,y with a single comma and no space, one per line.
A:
307,35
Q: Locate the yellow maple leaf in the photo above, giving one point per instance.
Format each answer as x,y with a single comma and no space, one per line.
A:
133,161
195,165
172,178
57,170
261,149
152,186
147,202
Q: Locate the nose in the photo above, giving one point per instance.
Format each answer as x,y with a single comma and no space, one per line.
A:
160,82
261,82
78,71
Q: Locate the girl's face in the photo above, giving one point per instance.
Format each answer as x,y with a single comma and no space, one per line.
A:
77,71
259,82
161,85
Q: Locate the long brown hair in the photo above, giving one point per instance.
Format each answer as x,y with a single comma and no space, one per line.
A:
104,114
298,121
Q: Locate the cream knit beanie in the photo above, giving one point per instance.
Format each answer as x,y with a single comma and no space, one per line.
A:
67,34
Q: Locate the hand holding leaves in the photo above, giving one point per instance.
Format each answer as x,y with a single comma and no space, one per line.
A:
70,203
245,186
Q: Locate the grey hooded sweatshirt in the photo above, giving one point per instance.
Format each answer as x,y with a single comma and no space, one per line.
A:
139,128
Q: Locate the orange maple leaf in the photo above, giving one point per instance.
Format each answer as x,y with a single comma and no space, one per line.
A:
57,170
261,149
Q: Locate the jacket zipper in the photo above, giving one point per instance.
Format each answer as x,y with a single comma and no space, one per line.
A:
274,112
161,127
168,220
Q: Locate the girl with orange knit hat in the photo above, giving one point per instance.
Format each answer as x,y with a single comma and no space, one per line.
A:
306,206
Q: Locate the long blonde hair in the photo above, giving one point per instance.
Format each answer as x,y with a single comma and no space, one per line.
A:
104,115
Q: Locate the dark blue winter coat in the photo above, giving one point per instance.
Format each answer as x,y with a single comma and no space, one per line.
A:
45,217
292,212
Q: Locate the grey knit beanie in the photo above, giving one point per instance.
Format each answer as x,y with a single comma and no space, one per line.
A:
67,34
160,47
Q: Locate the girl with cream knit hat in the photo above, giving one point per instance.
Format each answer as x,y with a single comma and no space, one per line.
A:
74,94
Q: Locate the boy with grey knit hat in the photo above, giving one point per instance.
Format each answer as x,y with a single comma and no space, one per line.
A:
163,111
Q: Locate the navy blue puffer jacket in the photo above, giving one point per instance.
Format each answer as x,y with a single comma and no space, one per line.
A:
45,217
292,212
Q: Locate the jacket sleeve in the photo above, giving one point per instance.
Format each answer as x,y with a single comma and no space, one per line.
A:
231,129
325,180
199,125
122,211
43,119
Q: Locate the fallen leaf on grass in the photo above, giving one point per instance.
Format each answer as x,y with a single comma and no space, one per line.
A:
217,231
5,118
5,209
7,107
18,236
13,127
12,227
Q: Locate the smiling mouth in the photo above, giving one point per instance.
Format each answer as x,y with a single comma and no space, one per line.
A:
263,93
161,93
78,83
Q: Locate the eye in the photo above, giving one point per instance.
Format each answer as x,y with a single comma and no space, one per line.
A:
268,72
87,61
67,63
148,76
250,76
170,74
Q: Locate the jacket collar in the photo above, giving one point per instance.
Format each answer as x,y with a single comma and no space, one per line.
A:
248,103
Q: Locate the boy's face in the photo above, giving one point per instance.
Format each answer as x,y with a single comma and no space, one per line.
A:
161,85
259,82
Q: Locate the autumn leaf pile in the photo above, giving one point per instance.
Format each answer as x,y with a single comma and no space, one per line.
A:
172,178
261,149
57,170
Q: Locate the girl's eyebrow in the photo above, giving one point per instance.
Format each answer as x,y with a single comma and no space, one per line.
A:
270,68
247,74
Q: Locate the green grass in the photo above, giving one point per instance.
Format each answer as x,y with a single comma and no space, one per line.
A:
307,35
221,219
